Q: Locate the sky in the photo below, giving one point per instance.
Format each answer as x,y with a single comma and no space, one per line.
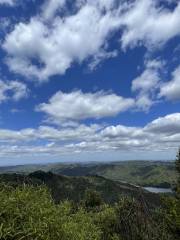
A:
89,80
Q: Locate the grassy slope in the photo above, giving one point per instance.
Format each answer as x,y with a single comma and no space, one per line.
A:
144,173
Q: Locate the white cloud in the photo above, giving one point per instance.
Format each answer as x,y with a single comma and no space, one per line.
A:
58,46
7,135
146,81
78,133
144,102
148,24
168,125
50,43
162,134
13,90
100,57
77,106
119,131
147,84
171,89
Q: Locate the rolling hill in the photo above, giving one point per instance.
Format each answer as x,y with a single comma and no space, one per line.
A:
74,188
143,173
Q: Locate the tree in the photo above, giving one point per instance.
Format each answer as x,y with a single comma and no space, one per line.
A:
92,199
177,162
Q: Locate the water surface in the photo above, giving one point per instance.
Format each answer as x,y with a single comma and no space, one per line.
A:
158,190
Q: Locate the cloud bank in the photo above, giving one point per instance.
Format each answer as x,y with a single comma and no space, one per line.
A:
161,135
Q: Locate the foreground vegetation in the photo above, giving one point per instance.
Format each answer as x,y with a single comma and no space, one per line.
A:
30,211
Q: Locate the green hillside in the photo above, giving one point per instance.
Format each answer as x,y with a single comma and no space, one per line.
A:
74,188
143,173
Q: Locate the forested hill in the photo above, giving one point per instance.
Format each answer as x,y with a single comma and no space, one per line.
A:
74,188
143,173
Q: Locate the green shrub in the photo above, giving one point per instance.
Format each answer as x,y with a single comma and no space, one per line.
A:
106,219
135,220
132,220
172,215
28,213
92,199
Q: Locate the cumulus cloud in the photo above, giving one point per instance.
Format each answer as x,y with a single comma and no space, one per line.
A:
150,24
56,47
78,133
13,90
50,42
169,124
171,89
76,106
120,131
147,84
162,134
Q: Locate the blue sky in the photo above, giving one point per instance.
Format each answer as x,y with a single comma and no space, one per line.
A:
89,80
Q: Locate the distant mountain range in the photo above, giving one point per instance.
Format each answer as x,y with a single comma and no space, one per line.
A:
142,173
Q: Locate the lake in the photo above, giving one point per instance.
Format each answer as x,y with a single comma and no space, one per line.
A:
158,190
